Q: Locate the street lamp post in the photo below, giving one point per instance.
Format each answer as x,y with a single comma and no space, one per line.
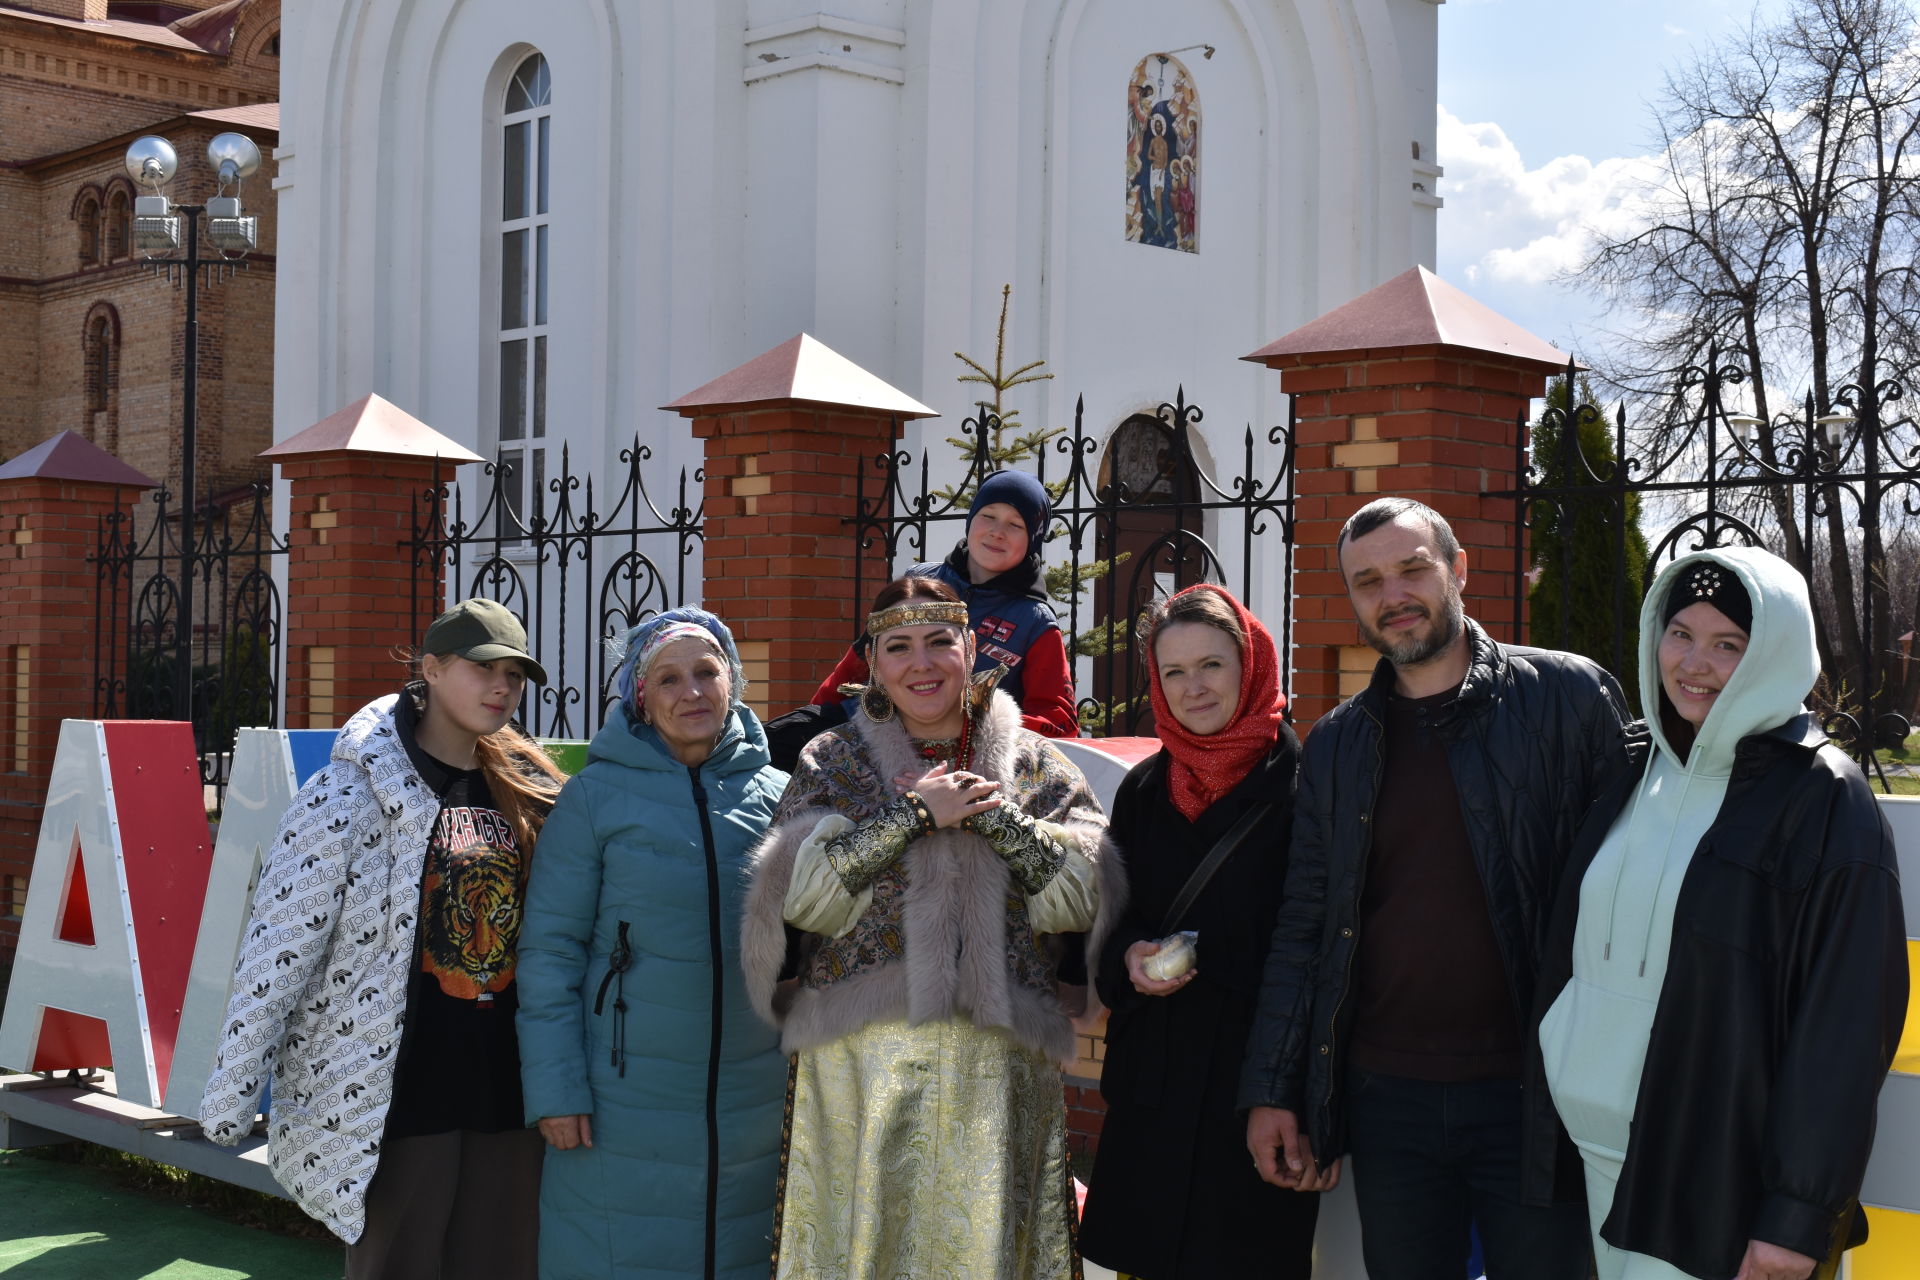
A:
157,228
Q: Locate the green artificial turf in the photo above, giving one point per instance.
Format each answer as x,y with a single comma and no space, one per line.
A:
63,1221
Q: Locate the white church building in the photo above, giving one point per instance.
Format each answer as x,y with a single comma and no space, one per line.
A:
533,224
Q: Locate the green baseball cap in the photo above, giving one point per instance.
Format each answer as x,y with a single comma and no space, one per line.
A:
482,631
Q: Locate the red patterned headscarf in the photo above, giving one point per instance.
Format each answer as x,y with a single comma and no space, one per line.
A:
1206,767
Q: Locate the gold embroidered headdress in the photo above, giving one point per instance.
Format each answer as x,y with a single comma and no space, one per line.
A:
921,613
917,613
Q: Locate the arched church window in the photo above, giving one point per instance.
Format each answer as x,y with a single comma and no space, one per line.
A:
100,378
270,47
1163,154
89,219
521,435
119,225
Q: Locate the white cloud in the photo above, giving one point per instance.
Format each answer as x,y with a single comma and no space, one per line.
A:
1509,223
1509,231
1672,30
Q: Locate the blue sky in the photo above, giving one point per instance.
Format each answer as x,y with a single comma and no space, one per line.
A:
1544,107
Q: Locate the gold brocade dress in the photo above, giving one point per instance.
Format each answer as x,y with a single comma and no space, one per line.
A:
937,1150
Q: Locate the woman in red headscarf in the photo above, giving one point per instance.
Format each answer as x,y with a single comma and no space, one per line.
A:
1203,829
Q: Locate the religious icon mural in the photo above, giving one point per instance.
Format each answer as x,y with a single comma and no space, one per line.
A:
1163,155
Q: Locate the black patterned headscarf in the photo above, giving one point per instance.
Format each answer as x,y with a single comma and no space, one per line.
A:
1714,584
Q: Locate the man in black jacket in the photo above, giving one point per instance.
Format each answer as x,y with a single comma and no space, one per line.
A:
1435,811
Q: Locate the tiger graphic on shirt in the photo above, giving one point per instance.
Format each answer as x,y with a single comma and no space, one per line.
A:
470,910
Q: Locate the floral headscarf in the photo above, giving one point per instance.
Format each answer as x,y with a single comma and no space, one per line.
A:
1206,767
643,644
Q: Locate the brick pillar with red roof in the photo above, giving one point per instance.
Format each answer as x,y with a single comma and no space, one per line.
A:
1413,390
786,435
357,479
53,500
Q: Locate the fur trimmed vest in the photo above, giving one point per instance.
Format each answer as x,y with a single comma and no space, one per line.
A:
947,931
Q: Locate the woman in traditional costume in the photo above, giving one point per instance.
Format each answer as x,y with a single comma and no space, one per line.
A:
1203,826
926,859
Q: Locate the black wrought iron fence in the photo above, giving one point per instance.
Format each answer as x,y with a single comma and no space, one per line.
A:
573,573
1134,516
224,675
1833,488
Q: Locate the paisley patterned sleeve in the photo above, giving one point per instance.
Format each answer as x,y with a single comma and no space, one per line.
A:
859,855
1032,850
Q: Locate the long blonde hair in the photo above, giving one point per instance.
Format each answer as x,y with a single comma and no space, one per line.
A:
523,779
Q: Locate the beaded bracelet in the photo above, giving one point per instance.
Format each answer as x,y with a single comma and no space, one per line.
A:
921,811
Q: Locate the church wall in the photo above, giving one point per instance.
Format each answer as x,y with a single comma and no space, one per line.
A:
873,177
1416,35
71,97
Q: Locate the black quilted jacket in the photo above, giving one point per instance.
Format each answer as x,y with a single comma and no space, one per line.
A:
1533,739
1784,998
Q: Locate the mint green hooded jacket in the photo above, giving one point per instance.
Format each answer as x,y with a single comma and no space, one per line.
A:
1734,965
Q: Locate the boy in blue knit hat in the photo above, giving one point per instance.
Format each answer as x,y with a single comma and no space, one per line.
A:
996,570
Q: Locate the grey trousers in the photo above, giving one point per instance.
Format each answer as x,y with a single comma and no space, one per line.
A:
449,1206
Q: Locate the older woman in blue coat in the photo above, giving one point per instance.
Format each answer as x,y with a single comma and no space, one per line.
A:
658,1090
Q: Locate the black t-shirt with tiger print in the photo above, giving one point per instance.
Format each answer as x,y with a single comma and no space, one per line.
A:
459,1062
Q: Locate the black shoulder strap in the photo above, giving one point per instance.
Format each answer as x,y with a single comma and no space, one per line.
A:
1222,850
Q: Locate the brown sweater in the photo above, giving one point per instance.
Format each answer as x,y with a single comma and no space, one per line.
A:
1432,993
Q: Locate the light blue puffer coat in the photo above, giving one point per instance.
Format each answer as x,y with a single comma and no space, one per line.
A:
695,1121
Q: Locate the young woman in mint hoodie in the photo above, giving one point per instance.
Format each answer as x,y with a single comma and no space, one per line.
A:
1725,978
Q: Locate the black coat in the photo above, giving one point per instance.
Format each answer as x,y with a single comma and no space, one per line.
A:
1533,738
1783,1003
1174,1192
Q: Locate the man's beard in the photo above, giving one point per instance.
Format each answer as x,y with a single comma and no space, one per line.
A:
1412,651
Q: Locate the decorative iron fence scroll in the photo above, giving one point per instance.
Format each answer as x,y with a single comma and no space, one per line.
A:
224,675
1813,484
574,574
1130,521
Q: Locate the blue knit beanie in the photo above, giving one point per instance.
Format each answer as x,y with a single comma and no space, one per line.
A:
1021,492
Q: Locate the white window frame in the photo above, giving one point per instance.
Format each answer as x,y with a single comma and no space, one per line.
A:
522,249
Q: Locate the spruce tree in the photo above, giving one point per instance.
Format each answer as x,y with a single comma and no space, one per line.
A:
1007,443
1602,551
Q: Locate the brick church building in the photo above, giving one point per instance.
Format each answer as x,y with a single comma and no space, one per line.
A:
91,340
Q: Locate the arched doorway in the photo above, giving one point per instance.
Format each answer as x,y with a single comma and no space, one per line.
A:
1150,495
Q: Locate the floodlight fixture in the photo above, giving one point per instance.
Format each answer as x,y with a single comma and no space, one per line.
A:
234,156
152,162
228,229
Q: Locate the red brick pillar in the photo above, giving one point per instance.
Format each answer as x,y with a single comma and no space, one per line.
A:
357,478
52,499
1412,390
786,436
